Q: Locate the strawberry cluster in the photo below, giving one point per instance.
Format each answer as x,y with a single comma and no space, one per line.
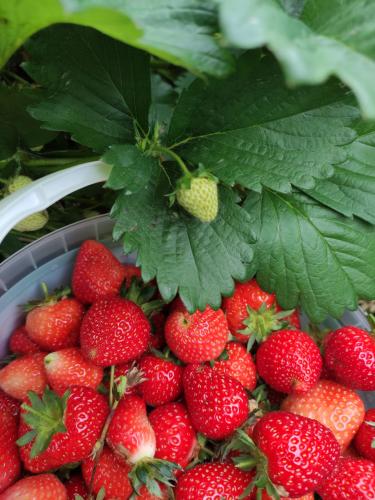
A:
111,393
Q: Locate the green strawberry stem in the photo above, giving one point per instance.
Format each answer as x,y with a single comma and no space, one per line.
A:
111,382
178,159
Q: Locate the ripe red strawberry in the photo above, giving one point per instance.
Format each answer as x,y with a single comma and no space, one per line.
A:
130,272
68,367
55,324
10,465
335,406
213,480
175,436
23,375
196,337
352,478
239,365
74,422
364,440
289,361
21,343
349,354
75,485
9,404
41,487
114,331
163,380
300,451
217,404
97,273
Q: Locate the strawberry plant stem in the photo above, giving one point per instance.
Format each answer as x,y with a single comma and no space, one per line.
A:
178,159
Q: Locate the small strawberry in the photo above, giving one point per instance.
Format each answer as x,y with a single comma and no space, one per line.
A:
239,365
217,404
10,465
349,354
97,273
21,343
56,431
352,478
41,487
114,331
335,406
214,480
289,361
364,440
23,375
75,485
9,404
163,380
175,436
199,196
196,337
68,367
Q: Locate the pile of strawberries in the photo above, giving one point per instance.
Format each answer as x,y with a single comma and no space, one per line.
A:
111,393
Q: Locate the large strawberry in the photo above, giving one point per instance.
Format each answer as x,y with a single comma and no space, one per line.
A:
10,465
335,406
351,479
97,273
21,343
69,367
349,354
289,361
41,487
23,375
56,431
199,196
364,440
196,337
114,331
217,404
238,363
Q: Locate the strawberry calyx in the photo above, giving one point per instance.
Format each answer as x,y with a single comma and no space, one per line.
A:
166,355
141,294
152,471
49,298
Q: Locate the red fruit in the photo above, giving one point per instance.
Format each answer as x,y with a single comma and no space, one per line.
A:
352,478
97,273
196,337
265,496
364,440
130,433
131,271
75,485
175,436
55,325
10,465
293,319
75,425
41,487
217,404
21,343
23,375
163,380
68,367
239,365
111,474
213,480
114,331
350,357
300,451
335,406
9,405
176,305
289,361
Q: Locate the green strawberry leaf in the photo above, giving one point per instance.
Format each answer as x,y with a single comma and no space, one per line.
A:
329,38
252,130
164,98
310,255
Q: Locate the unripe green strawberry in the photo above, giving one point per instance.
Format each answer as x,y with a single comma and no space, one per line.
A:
200,198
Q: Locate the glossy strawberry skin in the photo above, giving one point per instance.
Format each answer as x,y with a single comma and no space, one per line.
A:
75,485
21,343
55,326
10,465
213,480
196,337
217,404
9,404
349,354
352,478
69,367
289,361
114,331
366,436
335,406
24,374
97,273
300,451
175,436
41,487
239,365
163,382
85,415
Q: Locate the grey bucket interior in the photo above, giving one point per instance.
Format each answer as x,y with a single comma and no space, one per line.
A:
50,260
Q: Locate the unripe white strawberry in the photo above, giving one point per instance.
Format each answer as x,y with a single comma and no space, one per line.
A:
200,198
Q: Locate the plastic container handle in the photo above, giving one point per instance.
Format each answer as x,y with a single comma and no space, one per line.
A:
43,192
